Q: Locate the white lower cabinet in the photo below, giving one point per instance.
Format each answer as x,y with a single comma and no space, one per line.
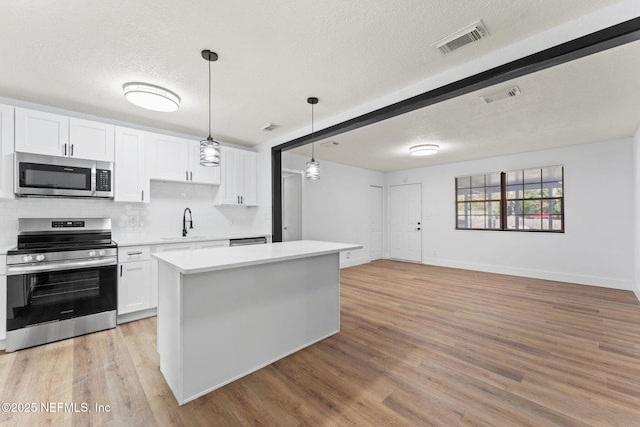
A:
3,301
135,291
154,262
212,244
3,310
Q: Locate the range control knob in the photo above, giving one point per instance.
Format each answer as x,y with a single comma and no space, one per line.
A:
39,257
27,258
102,252
92,253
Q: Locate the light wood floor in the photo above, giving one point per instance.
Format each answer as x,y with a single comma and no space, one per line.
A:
418,345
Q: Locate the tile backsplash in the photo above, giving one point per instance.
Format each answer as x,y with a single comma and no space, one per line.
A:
160,218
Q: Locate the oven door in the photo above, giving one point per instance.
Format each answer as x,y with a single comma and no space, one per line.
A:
35,297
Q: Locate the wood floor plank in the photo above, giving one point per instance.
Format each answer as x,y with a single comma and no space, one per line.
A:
419,345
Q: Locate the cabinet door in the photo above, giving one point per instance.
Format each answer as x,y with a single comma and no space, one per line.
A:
3,307
249,195
91,140
131,166
169,158
41,133
6,151
201,174
229,194
154,264
134,287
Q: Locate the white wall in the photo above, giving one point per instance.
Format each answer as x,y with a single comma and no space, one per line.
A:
597,246
336,207
636,212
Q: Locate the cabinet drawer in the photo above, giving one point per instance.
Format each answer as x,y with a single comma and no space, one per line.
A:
133,253
212,244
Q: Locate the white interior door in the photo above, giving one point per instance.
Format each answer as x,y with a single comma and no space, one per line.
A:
405,222
375,220
291,206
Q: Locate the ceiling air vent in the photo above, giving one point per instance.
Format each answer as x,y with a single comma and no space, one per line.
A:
464,36
499,96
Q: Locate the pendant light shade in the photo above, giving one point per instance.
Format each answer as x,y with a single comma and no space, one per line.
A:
209,149
312,170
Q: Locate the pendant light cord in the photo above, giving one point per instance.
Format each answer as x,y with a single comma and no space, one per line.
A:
313,144
209,99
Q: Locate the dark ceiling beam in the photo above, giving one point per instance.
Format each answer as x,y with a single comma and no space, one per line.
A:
599,41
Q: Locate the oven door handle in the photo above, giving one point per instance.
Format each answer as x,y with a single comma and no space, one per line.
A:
57,266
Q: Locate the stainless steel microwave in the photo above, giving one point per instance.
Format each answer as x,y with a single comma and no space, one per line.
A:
50,176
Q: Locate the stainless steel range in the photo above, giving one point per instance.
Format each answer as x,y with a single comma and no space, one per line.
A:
61,280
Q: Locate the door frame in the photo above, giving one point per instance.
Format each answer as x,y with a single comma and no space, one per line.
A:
381,187
282,200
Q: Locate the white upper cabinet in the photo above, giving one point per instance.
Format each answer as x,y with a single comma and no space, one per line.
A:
91,140
169,157
239,178
6,151
41,133
55,135
131,166
178,159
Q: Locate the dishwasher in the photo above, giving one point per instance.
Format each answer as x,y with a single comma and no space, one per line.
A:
248,241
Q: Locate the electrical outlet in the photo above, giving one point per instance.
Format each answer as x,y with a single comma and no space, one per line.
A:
348,255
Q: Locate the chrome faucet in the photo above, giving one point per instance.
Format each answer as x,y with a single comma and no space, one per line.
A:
184,222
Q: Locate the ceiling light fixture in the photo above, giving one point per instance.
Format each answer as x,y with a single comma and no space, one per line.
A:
151,97
209,149
424,150
312,171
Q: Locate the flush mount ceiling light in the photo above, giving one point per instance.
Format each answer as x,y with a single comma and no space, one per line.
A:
151,97
312,171
209,149
424,150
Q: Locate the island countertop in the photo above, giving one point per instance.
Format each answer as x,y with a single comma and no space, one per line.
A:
212,259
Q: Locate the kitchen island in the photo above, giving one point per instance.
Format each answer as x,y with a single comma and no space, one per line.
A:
226,312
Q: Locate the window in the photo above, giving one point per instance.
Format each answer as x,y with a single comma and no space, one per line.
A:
520,200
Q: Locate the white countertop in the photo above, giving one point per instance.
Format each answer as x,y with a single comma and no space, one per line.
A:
138,240
212,259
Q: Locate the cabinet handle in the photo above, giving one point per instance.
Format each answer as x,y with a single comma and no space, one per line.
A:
71,152
120,270
133,253
242,200
238,199
191,175
186,173
65,149
142,198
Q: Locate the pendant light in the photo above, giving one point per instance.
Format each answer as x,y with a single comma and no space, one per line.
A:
209,149
312,171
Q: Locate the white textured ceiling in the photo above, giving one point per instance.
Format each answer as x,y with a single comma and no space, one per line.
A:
77,54
592,99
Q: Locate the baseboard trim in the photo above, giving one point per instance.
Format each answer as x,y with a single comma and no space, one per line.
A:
580,279
142,314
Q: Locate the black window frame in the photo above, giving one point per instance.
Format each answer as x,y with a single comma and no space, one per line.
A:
475,196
